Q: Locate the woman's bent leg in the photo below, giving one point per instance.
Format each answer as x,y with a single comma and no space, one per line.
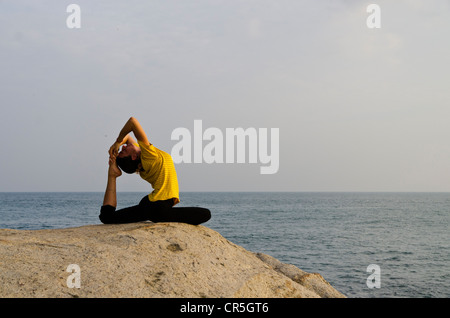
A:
109,215
155,211
164,212
190,215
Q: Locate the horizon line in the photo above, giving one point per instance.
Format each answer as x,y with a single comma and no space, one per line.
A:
245,191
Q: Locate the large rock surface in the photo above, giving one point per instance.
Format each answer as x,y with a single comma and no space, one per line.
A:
144,260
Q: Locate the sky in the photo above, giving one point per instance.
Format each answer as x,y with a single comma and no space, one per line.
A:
357,108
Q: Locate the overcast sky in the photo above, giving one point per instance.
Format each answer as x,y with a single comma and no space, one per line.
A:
357,109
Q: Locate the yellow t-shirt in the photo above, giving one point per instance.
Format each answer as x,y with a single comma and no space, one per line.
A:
159,171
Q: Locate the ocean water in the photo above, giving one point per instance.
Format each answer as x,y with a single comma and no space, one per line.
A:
335,234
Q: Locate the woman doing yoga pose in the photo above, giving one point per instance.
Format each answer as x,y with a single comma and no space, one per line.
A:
154,166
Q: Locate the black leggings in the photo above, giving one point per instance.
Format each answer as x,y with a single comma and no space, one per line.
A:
157,211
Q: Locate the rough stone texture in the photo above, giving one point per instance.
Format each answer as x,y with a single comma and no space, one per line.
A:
145,260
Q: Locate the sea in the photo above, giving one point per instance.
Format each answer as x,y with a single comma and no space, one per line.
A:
366,245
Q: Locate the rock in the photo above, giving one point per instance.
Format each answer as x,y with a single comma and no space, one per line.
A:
145,260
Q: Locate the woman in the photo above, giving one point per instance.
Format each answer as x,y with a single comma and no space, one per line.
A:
157,168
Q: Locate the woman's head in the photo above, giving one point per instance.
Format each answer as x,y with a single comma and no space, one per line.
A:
129,158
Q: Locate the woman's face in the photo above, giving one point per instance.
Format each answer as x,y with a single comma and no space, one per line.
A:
129,150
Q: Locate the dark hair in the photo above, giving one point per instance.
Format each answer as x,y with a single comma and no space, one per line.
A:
128,165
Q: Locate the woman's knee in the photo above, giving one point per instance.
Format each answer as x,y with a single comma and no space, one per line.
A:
199,215
205,214
106,214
